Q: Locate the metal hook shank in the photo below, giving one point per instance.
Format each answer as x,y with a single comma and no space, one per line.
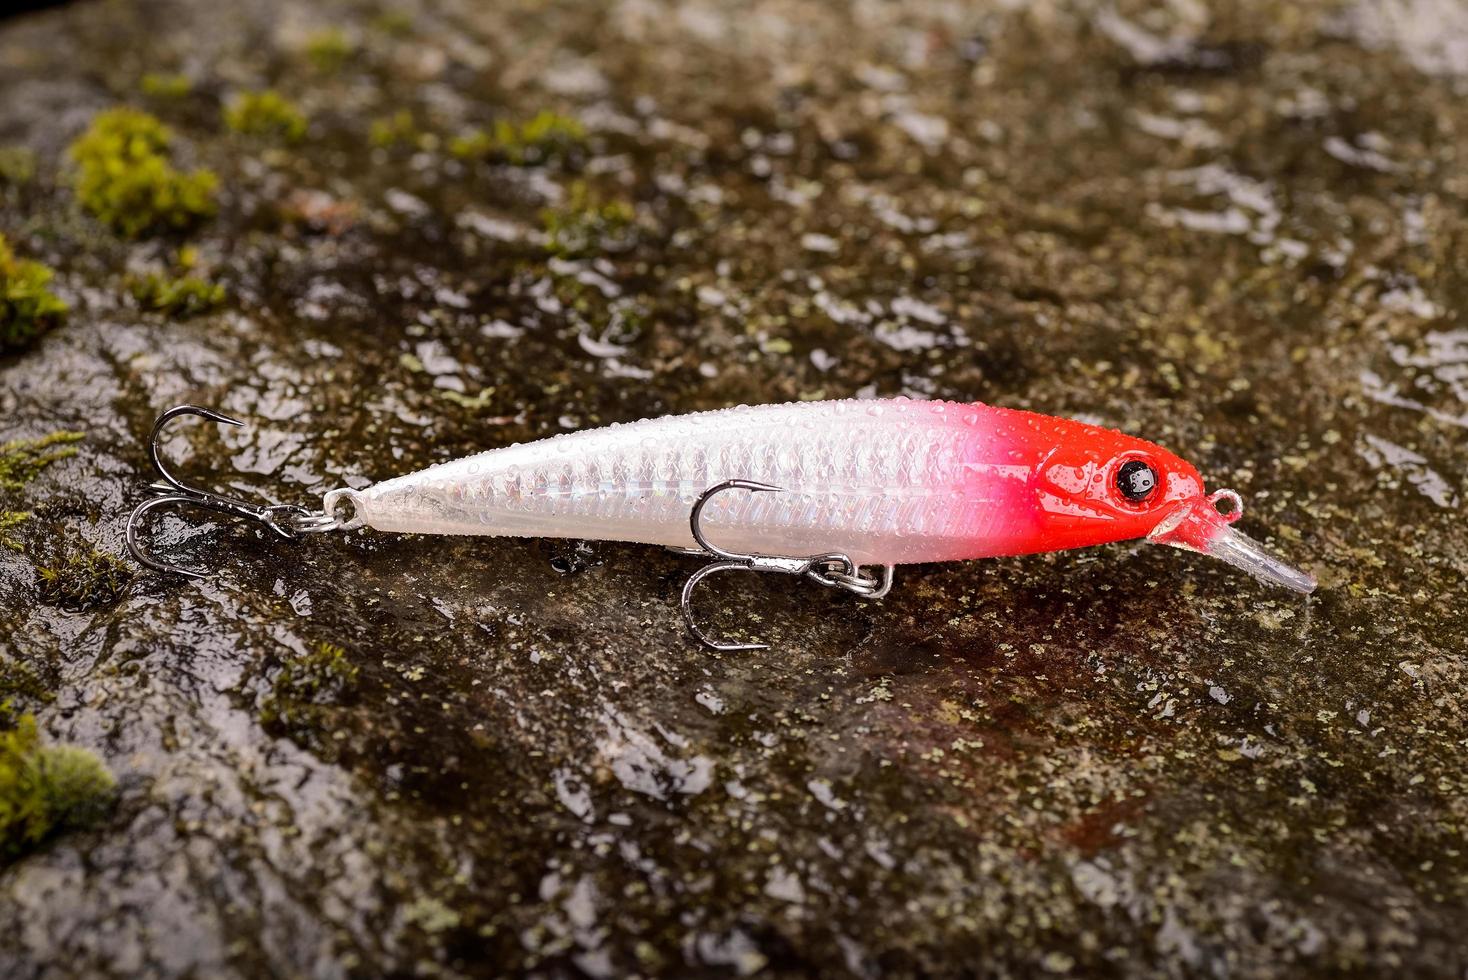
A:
287,521
833,569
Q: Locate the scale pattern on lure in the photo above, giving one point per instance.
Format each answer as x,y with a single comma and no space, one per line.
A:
882,483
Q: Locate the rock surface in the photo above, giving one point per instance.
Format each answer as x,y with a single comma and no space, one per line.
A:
1239,230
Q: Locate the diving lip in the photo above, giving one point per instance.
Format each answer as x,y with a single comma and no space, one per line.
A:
1200,527
1242,551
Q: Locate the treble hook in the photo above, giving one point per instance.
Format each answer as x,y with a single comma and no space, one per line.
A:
285,520
834,569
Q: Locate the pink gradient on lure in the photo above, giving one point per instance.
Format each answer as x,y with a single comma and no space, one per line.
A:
997,479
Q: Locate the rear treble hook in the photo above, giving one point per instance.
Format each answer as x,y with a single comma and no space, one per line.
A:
833,569
286,520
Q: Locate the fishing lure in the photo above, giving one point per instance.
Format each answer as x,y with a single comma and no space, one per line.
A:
839,492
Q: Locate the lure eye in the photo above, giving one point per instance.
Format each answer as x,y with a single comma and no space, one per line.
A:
1136,480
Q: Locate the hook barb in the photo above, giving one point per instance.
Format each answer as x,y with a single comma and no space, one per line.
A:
287,521
833,569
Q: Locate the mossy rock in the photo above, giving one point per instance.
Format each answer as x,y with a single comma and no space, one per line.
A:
45,790
181,297
161,85
17,166
307,693
28,308
73,575
125,179
329,51
266,114
22,460
586,224
21,684
544,136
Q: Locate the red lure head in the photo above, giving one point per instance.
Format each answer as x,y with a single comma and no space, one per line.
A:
1094,485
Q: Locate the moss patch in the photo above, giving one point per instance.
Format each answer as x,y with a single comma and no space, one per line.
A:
22,460
76,576
45,790
22,688
398,129
9,521
393,23
181,297
266,114
329,50
125,179
27,307
19,685
306,693
545,135
161,85
17,166
585,224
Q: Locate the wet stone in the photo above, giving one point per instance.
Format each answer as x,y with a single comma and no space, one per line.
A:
1234,229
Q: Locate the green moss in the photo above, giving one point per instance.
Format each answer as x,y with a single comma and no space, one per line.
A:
17,165
393,23
397,129
19,682
551,129
585,224
432,915
180,297
22,460
27,308
542,137
329,50
73,575
473,145
266,114
305,693
9,521
125,179
160,85
45,790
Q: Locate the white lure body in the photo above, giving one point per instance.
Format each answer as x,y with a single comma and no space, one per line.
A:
885,482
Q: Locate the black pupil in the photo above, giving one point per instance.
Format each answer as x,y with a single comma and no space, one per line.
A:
1136,480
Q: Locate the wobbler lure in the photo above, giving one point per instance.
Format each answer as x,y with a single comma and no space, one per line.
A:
839,492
